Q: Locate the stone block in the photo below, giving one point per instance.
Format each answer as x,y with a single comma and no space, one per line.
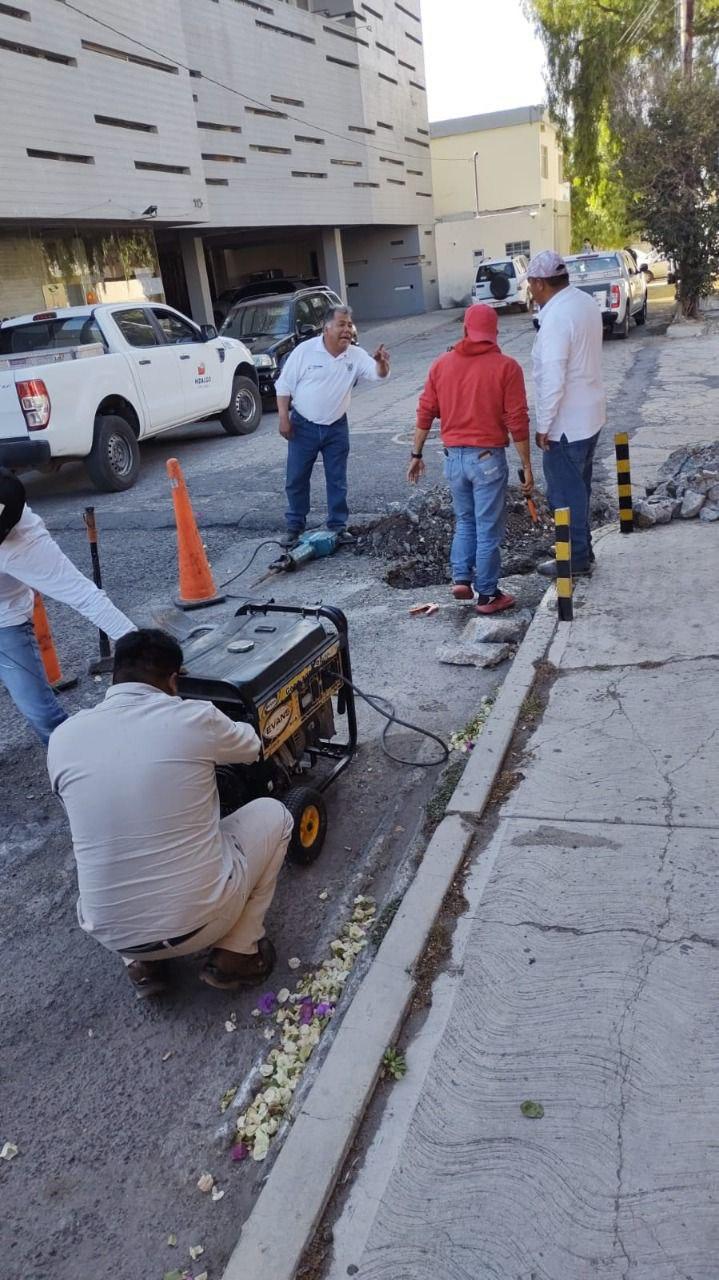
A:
709,513
500,629
651,511
692,504
472,655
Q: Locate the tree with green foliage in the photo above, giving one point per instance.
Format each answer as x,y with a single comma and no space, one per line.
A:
668,134
607,72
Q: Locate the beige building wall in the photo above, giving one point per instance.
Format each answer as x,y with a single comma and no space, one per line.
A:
520,202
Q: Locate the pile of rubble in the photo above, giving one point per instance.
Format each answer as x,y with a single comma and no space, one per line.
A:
687,486
416,537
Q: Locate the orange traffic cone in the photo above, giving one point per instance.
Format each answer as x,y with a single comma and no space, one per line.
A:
197,586
46,645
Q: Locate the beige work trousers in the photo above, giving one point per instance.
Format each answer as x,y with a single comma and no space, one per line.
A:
257,836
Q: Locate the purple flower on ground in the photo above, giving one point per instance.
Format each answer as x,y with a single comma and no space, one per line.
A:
307,1013
306,1000
322,1010
267,1003
240,1151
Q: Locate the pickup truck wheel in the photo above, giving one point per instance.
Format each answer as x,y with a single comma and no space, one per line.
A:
641,316
244,412
114,460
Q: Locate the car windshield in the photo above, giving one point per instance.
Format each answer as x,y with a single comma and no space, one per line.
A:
47,335
258,319
490,269
598,264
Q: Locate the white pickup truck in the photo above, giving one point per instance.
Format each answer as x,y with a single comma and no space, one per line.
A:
90,382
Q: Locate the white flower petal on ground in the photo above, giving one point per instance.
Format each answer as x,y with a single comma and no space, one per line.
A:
9,1151
206,1182
217,1194
196,1251
261,1145
283,995
294,962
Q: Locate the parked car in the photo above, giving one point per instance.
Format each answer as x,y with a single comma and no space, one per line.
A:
618,288
502,282
272,327
90,382
267,285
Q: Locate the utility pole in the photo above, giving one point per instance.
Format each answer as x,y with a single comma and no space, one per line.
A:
686,36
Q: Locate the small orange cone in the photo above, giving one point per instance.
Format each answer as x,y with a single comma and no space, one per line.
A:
197,586
46,645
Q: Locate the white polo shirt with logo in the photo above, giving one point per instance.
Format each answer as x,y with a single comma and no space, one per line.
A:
321,384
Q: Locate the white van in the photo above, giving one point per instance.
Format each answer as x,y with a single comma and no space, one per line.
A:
502,282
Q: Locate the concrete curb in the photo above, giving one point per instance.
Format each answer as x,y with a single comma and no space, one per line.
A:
303,1177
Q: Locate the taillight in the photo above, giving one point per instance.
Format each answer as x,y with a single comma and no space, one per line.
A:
35,403
616,301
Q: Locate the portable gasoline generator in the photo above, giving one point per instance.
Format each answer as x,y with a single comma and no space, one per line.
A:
283,669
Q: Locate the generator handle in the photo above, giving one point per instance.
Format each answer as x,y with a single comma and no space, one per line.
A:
339,622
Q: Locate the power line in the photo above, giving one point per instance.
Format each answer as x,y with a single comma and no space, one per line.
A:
368,146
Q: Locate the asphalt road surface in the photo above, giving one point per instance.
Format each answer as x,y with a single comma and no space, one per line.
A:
114,1104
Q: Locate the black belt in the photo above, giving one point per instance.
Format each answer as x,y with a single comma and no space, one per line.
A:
164,942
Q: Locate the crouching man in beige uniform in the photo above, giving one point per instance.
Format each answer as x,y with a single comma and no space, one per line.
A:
159,873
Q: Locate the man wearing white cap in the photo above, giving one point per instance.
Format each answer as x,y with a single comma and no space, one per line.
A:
570,404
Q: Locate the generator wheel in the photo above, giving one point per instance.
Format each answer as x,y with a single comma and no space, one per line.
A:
308,809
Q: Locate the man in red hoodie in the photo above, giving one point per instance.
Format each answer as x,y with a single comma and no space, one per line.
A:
480,397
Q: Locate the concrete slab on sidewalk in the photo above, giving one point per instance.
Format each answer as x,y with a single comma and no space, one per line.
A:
627,746
654,596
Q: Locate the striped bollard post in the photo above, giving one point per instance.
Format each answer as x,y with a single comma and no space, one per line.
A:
624,483
563,555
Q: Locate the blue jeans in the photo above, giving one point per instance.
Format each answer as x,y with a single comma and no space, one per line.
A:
23,675
568,472
308,440
478,481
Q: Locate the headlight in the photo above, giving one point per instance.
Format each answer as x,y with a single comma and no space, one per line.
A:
264,362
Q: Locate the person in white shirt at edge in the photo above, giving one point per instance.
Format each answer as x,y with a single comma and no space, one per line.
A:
318,378
31,561
570,404
160,873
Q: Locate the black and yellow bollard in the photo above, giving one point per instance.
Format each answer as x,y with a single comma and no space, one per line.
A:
563,554
624,483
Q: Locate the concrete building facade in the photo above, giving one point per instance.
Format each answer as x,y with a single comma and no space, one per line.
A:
173,149
499,189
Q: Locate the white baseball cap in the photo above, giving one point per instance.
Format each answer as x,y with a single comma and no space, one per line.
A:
546,264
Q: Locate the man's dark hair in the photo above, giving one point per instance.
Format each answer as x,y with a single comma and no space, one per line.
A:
147,655
12,501
556,282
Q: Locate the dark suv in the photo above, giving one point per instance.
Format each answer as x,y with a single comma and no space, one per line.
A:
272,326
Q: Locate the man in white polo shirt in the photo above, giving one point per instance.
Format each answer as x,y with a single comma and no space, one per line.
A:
318,379
569,398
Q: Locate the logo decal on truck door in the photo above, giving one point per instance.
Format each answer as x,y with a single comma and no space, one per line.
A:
202,377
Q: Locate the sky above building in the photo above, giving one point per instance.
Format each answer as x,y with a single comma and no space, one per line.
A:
480,55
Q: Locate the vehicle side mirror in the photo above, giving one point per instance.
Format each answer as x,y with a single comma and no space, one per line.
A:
306,330
208,332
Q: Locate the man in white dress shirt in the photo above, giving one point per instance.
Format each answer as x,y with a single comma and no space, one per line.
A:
31,561
318,378
570,404
160,873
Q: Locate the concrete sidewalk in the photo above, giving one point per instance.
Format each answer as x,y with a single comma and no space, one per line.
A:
585,975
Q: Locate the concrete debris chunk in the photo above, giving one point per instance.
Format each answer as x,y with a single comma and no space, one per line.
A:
500,629
692,504
472,655
709,513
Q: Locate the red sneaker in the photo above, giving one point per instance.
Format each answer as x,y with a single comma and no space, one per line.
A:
495,603
462,591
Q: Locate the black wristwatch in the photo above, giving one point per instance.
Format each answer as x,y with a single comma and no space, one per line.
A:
415,455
